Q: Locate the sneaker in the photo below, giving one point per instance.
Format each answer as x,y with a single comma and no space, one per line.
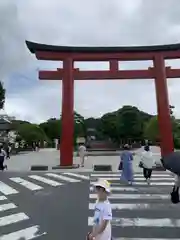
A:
148,181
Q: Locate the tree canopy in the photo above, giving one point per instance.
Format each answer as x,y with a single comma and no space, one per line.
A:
151,130
31,133
126,123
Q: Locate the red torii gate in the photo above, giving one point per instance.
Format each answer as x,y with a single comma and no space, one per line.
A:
68,74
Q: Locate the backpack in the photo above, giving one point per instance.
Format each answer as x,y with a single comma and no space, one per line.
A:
175,195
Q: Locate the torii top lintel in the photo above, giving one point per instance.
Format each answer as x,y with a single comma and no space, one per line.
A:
132,53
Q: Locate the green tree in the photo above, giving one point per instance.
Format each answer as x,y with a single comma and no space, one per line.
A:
108,126
31,133
52,128
151,131
129,123
176,131
2,95
126,123
79,125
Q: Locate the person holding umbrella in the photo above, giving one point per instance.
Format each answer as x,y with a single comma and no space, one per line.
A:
171,162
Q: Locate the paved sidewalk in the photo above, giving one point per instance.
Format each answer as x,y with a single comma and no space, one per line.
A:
50,157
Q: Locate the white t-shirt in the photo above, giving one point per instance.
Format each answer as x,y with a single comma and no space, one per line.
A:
102,212
82,150
2,153
147,159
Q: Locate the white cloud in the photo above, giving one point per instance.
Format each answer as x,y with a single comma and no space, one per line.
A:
79,22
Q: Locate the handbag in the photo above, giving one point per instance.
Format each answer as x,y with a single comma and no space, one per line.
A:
175,195
120,166
141,164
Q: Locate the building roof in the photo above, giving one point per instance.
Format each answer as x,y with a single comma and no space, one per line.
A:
33,47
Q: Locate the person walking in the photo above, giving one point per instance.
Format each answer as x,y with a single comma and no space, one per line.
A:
7,149
147,163
82,153
102,213
2,158
127,168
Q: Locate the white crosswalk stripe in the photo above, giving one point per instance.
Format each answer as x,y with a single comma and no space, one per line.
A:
45,180
142,222
77,175
31,232
39,182
144,183
13,218
134,196
6,189
26,183
132,206
60,177
125,189
2,198
141,179
7,206
135,175
27,233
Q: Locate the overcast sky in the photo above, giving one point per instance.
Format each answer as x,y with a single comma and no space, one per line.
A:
82,22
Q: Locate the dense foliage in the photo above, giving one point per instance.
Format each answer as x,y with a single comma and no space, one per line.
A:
126,123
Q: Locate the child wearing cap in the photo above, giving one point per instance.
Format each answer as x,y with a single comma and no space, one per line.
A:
103,213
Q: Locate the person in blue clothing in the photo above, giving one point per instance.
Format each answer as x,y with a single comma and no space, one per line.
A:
127,168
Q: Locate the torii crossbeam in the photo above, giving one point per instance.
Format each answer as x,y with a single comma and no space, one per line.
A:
68,74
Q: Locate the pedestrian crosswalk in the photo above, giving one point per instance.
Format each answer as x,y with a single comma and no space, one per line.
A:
11,217
35,182
140,211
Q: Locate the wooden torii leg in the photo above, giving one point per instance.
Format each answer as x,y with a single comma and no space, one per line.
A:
164,119
66,141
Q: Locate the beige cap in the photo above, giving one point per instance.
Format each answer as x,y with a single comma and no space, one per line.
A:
104,184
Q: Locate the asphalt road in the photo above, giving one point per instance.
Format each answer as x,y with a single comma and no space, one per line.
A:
141,211
53,212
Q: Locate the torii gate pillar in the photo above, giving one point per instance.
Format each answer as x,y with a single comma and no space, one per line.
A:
164,119
66,140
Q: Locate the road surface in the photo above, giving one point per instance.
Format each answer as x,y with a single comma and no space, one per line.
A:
141,212
42,205
55,205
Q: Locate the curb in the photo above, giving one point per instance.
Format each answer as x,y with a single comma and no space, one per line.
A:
39,168
102,168
74,166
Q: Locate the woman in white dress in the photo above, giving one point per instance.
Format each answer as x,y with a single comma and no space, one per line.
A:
82,154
